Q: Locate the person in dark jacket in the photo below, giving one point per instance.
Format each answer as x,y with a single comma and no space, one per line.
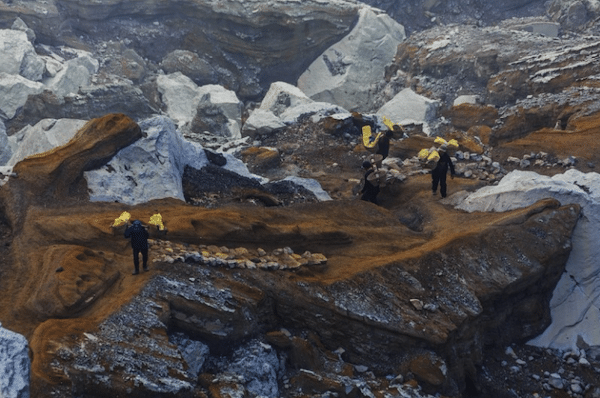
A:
369,191
438,174
383,145
139,243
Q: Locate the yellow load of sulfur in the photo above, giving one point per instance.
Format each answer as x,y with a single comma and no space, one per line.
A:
156,219
370,140
122,219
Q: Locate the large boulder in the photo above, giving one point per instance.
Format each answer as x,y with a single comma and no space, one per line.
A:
219,112
14,90
75,74
409,107
282,96
19,56
153,167
261,122
191,65
14,365
196,109
574,302
347,72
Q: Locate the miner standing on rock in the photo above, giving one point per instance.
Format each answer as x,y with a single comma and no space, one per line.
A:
438,174
139,243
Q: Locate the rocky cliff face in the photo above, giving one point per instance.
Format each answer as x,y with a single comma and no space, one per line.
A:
389,297
241,45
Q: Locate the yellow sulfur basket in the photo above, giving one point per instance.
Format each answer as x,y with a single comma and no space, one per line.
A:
370,140
156,219
122,219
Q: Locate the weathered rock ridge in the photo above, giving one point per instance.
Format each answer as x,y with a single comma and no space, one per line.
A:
390,297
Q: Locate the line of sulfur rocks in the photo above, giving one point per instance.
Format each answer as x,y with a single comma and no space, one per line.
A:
214,256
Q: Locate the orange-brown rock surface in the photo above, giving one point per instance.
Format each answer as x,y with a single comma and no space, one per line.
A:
389,295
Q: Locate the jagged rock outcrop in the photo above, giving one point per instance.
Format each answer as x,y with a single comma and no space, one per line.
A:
574,303
153,167
62,175
348,73
372,315
19,56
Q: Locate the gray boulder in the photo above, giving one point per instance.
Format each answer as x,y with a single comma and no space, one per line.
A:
14,365
282,96
196,109
14,90
19,24
76,74
191,65
348,72
218,112
261,122
409,107
19,56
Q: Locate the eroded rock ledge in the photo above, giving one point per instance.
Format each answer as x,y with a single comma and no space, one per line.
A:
389,299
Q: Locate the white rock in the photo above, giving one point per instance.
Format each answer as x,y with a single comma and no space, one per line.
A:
556,381
282,96
19,56
180,96
466,99
75,74
14,90
311,185
346,73
261,122
408,106
184,100
44,136
584,362
14,365
19,24
216,102
509,351
576,388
